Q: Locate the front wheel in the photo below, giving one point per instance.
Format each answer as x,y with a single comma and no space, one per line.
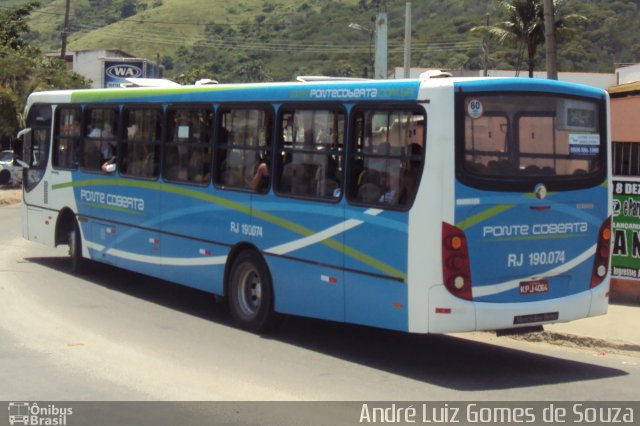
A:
76,261
251,292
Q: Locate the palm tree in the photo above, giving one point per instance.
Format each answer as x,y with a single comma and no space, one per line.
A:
524,26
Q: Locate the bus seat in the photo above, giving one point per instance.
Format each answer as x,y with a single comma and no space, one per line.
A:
548,171
369,193
300,180
326,188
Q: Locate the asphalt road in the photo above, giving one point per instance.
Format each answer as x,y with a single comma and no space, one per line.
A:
113,335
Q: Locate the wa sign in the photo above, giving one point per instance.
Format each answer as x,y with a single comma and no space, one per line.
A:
115,72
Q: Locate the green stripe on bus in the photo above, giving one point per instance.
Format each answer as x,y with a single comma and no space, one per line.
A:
239,207
118,209
537,237
124,94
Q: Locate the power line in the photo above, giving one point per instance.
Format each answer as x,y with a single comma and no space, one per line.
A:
157,36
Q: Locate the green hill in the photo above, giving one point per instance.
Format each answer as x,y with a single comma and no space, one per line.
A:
250,40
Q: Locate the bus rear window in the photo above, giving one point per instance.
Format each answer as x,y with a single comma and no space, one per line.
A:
509,139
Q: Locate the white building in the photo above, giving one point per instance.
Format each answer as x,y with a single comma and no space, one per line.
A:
108,67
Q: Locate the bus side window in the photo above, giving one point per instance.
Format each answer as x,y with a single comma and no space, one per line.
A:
187,150
386,157
99,143
243,159
66,142
140,147
311,153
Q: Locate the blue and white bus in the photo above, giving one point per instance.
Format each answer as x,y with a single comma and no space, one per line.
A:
428,206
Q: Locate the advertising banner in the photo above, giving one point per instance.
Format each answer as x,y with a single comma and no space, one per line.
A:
625,262
115,72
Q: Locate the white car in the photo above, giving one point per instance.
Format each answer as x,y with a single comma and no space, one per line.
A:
9,173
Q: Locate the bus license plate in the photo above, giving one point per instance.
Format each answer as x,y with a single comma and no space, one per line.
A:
534,287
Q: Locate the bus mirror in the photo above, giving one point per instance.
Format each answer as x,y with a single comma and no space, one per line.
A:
25,137
19,162
23,132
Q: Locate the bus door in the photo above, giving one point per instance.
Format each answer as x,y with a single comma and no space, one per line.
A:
303,232
531,196
35,158
385,166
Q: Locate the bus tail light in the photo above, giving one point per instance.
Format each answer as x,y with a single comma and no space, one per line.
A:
603,254
456,269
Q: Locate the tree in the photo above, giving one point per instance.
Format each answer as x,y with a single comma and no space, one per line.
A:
13,26
524,28
24,69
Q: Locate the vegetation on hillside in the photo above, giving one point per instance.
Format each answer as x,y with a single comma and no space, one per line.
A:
256,40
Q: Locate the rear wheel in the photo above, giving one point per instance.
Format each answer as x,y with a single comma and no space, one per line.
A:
251,292
76,261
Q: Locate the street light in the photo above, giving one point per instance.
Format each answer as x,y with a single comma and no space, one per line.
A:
371,34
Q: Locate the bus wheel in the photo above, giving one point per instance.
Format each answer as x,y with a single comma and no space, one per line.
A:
76,261
251,293
5,176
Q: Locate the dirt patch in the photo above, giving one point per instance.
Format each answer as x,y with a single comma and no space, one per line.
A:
571,340
10,195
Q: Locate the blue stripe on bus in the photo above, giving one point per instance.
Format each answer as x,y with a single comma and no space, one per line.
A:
529,84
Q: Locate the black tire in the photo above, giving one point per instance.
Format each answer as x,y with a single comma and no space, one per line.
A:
251,293
76,261
5,176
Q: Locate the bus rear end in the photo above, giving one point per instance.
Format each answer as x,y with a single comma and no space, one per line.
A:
529,243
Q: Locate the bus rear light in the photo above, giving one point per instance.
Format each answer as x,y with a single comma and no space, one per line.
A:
603,253
456,268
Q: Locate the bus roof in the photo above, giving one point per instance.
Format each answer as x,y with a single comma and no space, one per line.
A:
320,90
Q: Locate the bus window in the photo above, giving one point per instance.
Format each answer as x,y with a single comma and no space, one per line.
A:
187,153
310,151
243,150
387,156
140,149
66,138
513,142
100,137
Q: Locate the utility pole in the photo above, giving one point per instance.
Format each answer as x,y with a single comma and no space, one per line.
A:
407,41
381,46
65,31
485,50
550,40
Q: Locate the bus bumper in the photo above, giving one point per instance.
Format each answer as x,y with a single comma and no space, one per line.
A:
449,314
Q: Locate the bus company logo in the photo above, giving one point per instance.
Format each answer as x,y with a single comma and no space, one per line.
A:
25,413
124,71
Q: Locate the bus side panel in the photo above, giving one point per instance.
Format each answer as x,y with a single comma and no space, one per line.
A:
193,263
376,251
376,302
41,217
302,289
197,234
303,246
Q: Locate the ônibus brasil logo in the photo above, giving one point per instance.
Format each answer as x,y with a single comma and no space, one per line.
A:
31,414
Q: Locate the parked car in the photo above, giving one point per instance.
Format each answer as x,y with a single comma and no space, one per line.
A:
9,172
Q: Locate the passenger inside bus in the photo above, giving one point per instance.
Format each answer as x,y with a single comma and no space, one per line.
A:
107,149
